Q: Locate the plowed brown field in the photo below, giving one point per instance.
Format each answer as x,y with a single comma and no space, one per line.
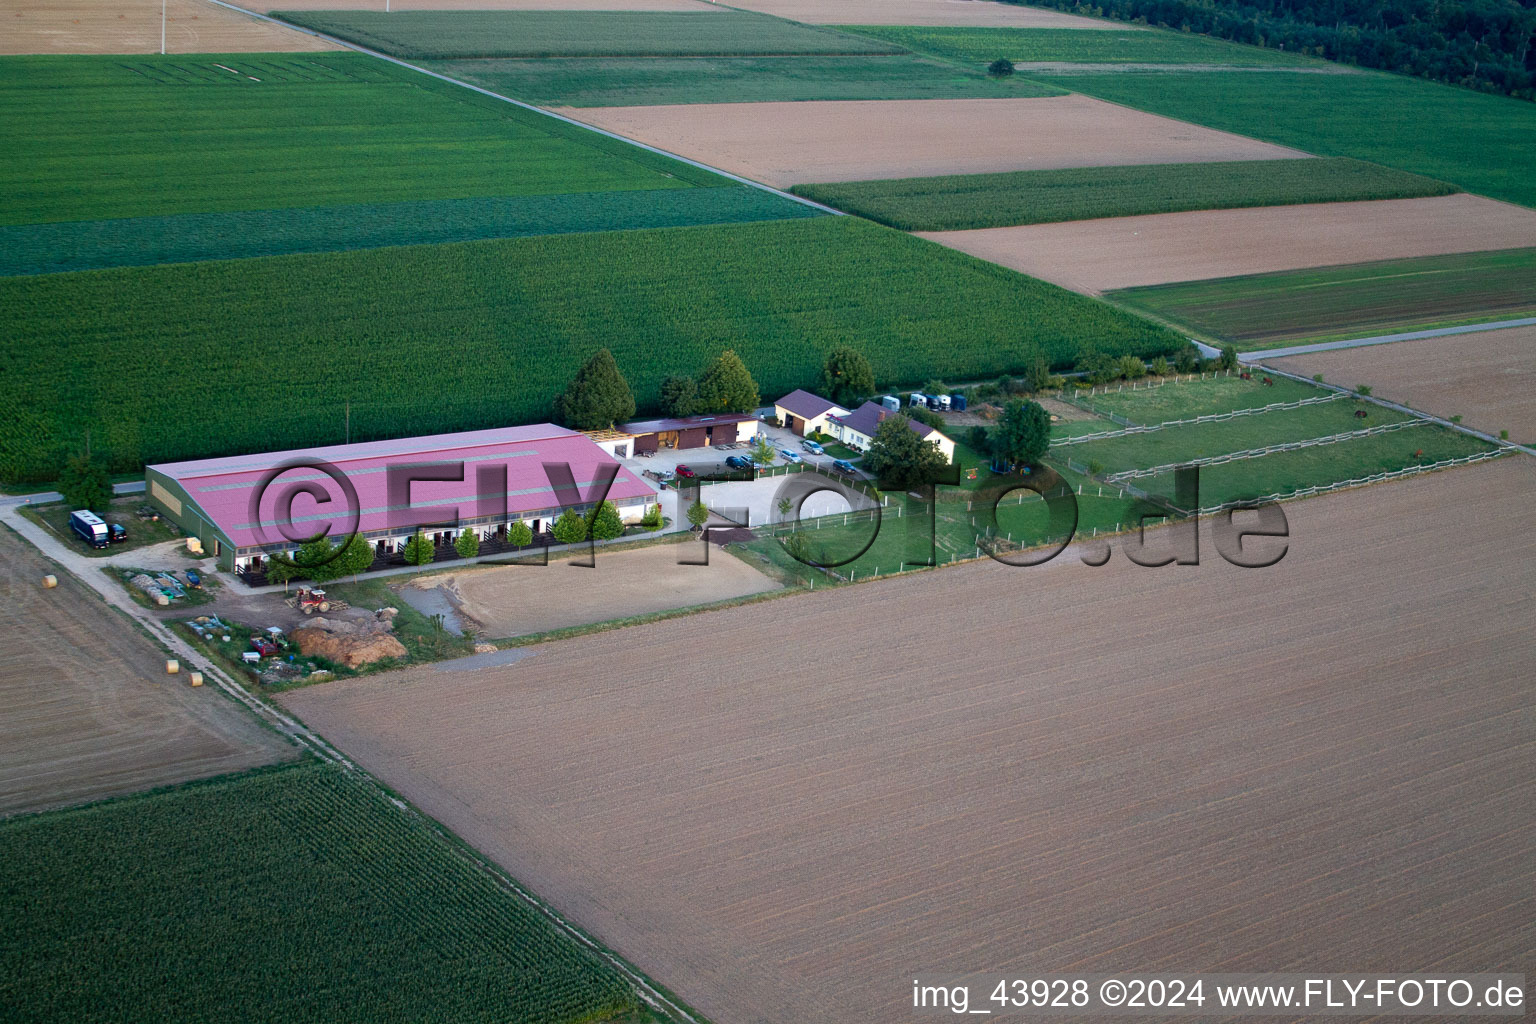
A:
493,5
1489,379
793,143
86,708
786,812
1093,256
977,13
133,26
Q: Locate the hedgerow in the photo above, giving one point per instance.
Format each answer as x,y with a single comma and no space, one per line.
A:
188,360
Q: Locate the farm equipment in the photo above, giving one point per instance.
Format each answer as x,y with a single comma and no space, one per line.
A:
312,600
263,647
193,580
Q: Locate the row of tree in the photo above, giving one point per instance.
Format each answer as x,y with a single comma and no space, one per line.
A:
599,397
1481,44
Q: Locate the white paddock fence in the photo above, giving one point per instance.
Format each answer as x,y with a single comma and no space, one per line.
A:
1215,417
1257,453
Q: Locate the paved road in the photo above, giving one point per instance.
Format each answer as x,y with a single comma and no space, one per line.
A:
1383,339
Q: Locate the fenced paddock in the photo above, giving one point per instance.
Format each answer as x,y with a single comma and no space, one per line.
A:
1160,401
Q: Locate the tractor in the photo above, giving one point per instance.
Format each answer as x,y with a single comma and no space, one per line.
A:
311,601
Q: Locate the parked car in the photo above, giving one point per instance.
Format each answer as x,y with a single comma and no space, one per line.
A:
685,472
264,647
843,466
738,462
813,447
789,456
118,532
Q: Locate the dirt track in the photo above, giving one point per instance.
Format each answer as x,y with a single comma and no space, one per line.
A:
1093,256
86,708
133,26
1489,379
794,143
785,811
977,13
519,600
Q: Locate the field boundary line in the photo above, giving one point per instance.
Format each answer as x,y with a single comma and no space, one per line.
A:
1214,417
530,107
1258,453
1385,339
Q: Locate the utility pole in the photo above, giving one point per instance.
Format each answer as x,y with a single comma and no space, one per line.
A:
162,28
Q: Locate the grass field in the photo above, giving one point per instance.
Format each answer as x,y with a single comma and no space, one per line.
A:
182,238
293,894
967,201
648,81
1185,399
1349,301
1480,142
94,138
444,35
432,338
1078,46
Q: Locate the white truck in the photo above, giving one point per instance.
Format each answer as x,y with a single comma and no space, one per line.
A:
90,527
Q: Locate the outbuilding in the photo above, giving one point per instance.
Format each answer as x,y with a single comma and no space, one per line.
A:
684,432
806,413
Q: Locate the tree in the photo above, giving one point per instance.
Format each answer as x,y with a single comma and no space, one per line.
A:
356,557
85,484
1098,368
607,524
846,376
519,534
698,515
280,570
570,528
726,386
1186,359
1023,434
899,458
1228,359
1160,367
1000,68
598,397
785,507
762,452
679,395
1131,367
1038,375
467,544
418,550
977,438
317,560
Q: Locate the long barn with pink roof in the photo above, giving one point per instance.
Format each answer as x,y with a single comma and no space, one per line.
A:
244,508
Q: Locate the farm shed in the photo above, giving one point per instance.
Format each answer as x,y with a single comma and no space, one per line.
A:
858,428
246,507
684,432
805,413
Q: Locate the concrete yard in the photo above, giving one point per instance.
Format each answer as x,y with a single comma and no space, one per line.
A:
86,707
849,140
785,812
1093,256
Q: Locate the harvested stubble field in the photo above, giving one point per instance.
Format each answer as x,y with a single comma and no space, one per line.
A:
518,600
448,35
648,81
981,46
133,26
795,143
922,12
970,201
1480,142
1095,256
300,894
1487,378
836,808
502,5
86,707
480,333
1352,301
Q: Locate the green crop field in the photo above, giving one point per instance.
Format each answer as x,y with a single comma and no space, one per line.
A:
429,338
444,35
1079,46
182,238
1362,299
648,81
93,138
1480,142
966,201
292,894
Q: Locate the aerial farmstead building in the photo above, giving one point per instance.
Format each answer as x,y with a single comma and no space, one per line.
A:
685,432
857,428
805,413
246,507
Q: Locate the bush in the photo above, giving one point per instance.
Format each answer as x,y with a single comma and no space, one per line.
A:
1000,68
1364,390
698,515
1228,360
1160,367
1132,368
976,438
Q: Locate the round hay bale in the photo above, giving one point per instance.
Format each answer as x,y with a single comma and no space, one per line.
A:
50,581
172,666
195,678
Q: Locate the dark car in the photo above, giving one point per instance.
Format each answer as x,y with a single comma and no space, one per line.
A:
118,532
685,472
738,462
844,466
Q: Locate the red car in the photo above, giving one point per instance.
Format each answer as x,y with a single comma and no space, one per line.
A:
685,472
264,647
